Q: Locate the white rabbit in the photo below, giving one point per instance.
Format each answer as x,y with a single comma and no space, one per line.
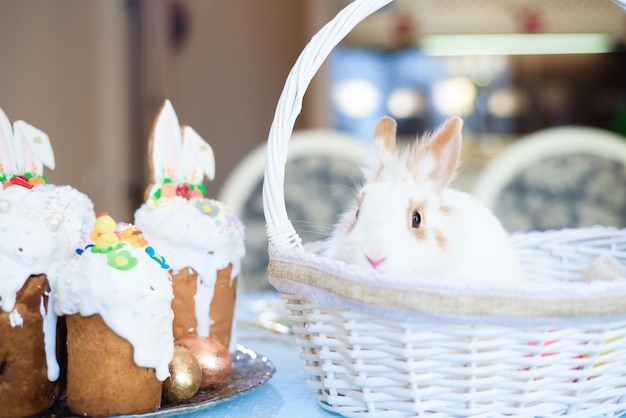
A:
24,150
177,155
407,221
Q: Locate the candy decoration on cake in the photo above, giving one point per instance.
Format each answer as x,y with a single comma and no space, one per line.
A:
116,298
104,234
201,239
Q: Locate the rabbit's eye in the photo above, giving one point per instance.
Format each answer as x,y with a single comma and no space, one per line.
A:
356,215
416,220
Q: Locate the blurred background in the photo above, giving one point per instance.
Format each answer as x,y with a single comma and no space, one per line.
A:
93,74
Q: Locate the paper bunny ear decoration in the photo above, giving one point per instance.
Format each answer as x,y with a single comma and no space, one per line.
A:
33,147
24,151
198,158
6,148
178,158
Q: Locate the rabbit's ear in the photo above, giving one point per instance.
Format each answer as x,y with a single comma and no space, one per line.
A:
382,158
7,158
441,153
33,148
164,147
198,158
385,130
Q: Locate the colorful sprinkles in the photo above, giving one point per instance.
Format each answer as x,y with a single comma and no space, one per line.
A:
27,180
157,257
170,189
110,238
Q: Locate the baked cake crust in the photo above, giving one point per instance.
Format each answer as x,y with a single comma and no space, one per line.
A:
222,307
23,355
102,377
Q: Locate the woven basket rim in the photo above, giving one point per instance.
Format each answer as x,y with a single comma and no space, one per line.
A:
296,270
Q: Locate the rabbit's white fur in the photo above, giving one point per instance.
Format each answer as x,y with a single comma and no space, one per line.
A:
457,238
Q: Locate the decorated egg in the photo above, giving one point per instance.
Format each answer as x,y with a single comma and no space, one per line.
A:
185,376
214,358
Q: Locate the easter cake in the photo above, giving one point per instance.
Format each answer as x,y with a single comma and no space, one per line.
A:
34,245
116,298
201,238
39,226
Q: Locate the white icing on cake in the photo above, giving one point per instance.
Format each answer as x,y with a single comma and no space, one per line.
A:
77,208
134,303
34,241
187,236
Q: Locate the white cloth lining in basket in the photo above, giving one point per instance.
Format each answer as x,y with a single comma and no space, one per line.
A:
541,301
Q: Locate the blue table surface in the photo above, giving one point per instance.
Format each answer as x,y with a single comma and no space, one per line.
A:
286,394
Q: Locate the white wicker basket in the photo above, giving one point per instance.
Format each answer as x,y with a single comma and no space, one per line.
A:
551,347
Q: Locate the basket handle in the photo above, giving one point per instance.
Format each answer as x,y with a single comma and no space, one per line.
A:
280,231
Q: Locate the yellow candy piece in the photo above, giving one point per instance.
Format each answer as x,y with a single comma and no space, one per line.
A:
104,241
104,223
206,208
121,261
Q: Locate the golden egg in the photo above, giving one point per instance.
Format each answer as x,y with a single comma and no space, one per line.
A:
214,358
185,376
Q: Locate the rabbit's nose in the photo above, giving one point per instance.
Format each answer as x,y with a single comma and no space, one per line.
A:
375,261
